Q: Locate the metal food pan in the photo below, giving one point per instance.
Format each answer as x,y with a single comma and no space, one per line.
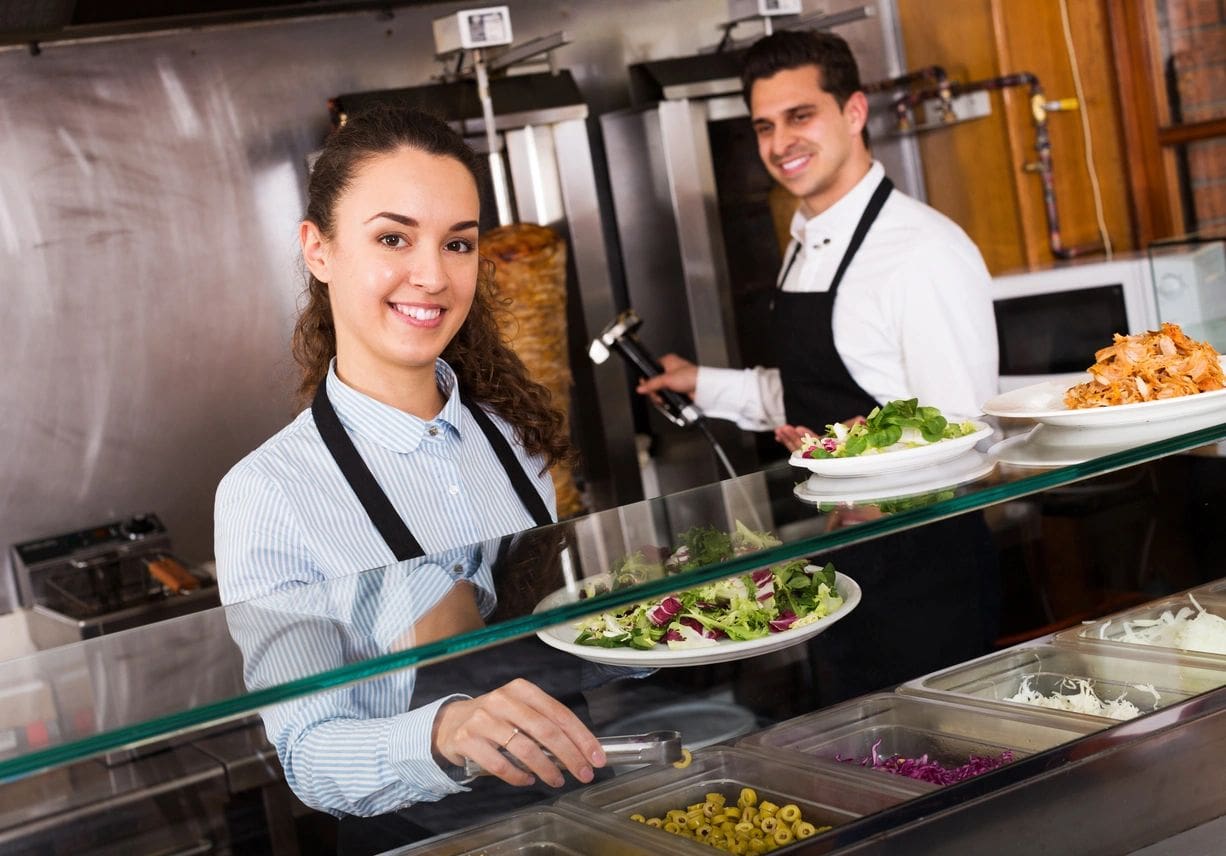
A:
1217,587
912,726
1108,634
824,796
991,680
539,832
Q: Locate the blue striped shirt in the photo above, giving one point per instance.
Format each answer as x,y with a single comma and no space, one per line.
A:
285,517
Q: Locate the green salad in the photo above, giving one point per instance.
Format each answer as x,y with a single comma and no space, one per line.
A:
750,606
897,425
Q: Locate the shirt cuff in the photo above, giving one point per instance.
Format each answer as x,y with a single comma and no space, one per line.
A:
738,395
717,392
411,754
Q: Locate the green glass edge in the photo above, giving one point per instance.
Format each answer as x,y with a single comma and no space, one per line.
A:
131,735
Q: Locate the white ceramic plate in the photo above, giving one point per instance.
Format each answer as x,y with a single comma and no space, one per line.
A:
1044,402
1064,445
562,637
962,469
896,461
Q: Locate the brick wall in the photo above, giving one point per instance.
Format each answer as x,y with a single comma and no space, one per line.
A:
1194,37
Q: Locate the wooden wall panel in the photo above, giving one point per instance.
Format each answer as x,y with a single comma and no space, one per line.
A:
967,166
1031,37
1134,31
1005,214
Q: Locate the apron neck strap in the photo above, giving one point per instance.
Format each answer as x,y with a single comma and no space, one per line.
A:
374,500
875,204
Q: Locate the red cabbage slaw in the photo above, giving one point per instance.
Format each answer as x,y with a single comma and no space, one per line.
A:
927,770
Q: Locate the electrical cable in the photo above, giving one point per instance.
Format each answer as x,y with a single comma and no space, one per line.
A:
719,450
747,504
619,337
1085,129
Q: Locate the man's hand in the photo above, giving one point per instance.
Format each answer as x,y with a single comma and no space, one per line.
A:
791,435
522,719
680,375
849,516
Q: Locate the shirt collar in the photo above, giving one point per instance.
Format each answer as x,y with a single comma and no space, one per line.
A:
389,427
839,220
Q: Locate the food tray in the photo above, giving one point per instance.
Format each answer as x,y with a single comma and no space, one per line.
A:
990,680
912,726
539,832
824,796
1217,587
1107,634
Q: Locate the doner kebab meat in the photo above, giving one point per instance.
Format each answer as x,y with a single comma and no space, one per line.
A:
1147,367
530,261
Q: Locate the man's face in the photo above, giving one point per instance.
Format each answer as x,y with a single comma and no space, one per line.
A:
808,144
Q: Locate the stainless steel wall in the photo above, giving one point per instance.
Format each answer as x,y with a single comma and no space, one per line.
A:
150,188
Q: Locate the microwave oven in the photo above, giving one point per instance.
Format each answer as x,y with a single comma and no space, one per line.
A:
1050,322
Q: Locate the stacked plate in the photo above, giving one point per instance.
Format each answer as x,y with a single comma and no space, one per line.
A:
1065,437
906,472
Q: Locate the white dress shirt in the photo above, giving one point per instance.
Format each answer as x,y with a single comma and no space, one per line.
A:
913,317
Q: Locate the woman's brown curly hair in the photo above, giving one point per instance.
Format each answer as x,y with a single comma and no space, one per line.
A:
488,370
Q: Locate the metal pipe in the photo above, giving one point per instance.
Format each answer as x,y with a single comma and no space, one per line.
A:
934,73
1039,108
498,177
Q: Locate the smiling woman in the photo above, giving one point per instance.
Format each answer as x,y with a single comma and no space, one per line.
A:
429,164
424,435
401,264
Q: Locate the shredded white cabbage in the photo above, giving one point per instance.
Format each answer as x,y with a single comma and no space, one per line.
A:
1186,629
1083,700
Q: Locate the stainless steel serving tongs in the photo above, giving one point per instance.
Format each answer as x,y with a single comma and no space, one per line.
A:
655,747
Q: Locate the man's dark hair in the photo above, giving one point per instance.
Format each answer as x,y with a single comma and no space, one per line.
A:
838,73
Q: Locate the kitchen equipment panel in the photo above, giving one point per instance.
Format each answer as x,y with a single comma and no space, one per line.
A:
105,578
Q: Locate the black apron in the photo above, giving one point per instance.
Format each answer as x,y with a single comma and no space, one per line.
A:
556,673
932,594
817,388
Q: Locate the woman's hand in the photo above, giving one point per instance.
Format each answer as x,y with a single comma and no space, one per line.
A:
522,719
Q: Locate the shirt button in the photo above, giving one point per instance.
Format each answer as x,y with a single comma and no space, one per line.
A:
433,431
457,569
454,490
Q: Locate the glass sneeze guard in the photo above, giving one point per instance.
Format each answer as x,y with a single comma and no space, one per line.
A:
180,675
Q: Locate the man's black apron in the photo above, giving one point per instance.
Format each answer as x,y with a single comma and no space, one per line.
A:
931,594
554,672
817,387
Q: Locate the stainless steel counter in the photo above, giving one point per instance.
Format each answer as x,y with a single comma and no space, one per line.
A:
210,796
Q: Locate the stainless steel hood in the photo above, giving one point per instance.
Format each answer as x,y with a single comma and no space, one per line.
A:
49,20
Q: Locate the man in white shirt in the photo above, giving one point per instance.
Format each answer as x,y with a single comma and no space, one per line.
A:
913,318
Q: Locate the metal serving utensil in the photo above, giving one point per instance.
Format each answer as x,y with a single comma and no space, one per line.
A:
655,747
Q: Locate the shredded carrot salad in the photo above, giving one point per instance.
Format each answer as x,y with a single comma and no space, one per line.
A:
1148,366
